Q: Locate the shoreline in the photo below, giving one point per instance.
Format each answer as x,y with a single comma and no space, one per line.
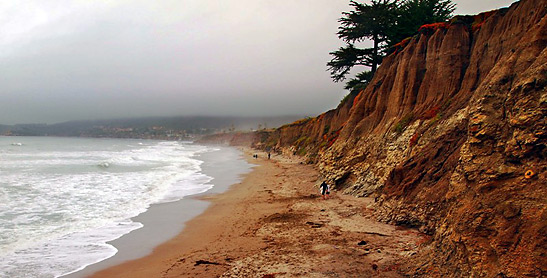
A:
163,221
275,223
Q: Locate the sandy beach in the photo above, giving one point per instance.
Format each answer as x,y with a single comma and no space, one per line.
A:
275,224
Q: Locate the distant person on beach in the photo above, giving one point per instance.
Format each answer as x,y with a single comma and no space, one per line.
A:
325,190
255,156
269,154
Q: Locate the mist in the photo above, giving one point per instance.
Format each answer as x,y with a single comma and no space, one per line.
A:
77,60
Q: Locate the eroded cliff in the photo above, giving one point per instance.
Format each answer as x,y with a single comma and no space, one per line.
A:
449,137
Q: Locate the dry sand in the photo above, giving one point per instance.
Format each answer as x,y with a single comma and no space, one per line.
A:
275,224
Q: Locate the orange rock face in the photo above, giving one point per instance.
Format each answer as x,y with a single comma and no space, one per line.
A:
444,137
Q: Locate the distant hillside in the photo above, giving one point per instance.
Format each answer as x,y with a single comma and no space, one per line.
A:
153,127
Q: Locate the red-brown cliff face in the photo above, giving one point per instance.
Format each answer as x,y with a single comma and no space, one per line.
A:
450,137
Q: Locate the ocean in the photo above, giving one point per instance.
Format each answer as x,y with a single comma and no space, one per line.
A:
62,200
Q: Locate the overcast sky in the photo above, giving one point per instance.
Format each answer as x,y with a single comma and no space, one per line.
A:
72,60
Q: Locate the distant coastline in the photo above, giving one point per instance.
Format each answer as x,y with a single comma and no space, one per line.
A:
158,128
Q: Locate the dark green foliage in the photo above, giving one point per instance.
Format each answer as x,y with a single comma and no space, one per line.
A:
385,23
302,152
360,81
462,19
326,129
403,123
367,21
347,57
415,13
301,141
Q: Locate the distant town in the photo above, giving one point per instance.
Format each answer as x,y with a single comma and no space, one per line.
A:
172,128
153,132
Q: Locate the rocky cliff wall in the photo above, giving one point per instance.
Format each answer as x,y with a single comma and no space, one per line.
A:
449,137
243,139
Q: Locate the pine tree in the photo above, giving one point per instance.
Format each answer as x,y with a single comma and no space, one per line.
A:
415,13
367,21
385,23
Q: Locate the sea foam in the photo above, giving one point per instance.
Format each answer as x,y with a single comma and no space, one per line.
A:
62,200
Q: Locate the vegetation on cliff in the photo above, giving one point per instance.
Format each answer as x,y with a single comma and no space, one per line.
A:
385,23
449,136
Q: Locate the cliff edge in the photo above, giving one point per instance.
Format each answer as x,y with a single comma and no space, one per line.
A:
449,137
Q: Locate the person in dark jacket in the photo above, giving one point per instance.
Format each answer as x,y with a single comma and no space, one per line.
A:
325,190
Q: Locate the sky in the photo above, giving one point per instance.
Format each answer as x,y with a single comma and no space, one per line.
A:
76,60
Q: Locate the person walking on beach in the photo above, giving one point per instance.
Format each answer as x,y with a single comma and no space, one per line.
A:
325,190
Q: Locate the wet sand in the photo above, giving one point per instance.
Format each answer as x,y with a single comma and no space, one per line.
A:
275,224
166,220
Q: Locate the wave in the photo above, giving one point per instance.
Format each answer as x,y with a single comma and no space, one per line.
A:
56,216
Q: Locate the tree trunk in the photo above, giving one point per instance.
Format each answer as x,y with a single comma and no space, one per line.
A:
375,54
